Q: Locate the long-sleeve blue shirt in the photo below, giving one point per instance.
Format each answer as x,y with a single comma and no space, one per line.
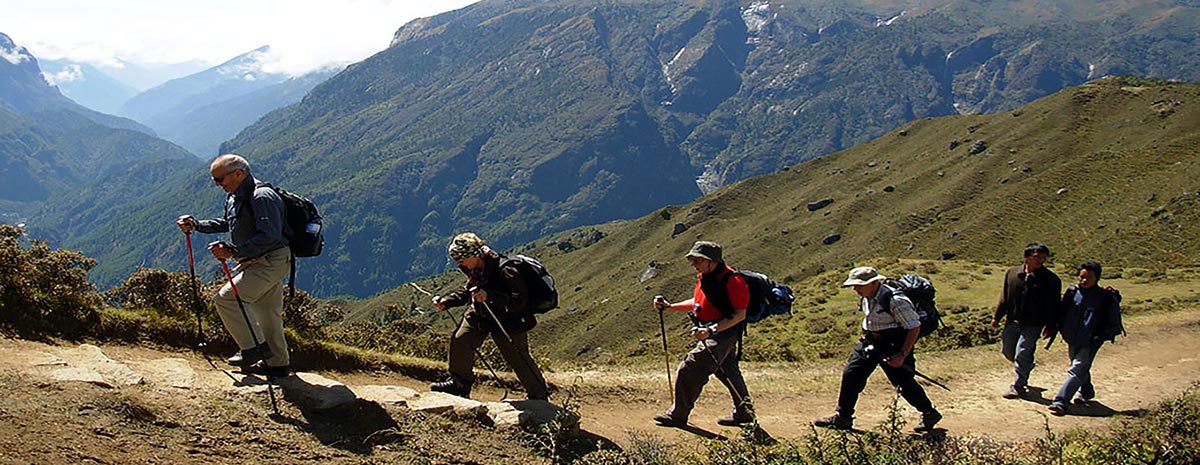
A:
254,218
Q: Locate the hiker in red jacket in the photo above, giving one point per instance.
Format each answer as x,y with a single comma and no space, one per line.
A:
718,307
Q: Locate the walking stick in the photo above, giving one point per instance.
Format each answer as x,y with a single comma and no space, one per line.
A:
201,341
662,330
509,339
478,355
250,326
914,371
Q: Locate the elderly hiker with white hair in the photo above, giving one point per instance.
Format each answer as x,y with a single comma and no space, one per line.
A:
890,327
718,307
498,299
255,220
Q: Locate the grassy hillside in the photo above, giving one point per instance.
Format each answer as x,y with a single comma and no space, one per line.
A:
1103,171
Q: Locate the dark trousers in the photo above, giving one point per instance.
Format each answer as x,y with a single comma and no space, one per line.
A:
860,366
713,356
467,338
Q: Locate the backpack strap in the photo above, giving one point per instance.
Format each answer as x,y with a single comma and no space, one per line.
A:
883,297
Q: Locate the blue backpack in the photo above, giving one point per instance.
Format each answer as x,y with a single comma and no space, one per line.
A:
767,297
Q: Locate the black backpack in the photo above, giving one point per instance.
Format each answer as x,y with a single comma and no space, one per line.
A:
303,223
767,297
1110,323
543,296
301,227
921,292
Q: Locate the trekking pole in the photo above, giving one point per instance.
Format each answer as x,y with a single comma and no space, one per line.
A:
914,371
478,355
509,339
201,341
662,328
250,326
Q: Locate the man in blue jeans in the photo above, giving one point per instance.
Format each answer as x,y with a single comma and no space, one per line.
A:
1029,302
1090,316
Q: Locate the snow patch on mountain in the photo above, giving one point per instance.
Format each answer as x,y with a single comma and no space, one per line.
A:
756,16
15,55
879,22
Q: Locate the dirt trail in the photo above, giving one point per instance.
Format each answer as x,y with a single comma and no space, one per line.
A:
188,404
1157,360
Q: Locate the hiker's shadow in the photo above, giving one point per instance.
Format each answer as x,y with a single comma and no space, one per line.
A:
335,416
1090,408
1097,409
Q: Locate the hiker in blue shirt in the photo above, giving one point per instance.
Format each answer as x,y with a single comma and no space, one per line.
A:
1090,315
255,220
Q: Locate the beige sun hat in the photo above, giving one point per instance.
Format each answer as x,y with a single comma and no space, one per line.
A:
862,276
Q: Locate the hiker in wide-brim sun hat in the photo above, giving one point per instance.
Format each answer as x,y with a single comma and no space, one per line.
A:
862,276
706,250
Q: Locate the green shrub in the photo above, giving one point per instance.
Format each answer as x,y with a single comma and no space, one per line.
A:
44,291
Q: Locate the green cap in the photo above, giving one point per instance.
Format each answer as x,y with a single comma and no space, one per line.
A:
707,250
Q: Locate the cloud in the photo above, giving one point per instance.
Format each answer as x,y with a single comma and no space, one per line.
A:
304,34
69,73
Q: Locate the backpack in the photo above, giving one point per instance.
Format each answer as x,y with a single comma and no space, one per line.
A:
301,227
921,292
767,297
303,223
543,296
1110,323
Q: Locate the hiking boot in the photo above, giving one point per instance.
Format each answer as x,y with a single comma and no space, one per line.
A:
667,420
1058,409
736,419
247,357
836,421
928,419
261,368
453,387
1015,392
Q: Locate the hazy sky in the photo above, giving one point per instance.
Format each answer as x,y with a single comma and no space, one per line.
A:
303,34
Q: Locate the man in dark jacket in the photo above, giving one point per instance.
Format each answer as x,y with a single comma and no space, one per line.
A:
718,307
1090,315
499,301
1029,301
254,219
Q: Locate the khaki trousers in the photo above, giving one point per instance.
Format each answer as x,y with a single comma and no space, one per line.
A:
260,285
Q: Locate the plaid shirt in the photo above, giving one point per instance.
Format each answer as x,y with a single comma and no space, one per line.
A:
903,314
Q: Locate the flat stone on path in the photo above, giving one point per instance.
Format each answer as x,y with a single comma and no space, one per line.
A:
315,391
88,364
440,402
382,394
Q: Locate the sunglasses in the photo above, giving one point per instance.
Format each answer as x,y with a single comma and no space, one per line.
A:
220,179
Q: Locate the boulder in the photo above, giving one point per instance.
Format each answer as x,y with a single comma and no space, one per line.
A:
529,414
814,206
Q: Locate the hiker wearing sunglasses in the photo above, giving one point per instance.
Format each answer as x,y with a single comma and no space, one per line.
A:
1029,302
717,333
254,219
498,299
890,328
